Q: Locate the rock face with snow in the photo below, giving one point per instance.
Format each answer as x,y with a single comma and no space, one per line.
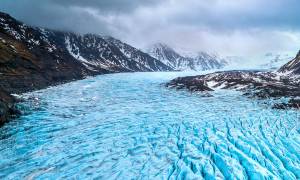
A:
33,58
97,52
205,61
199,62
284,83
292,67
143,61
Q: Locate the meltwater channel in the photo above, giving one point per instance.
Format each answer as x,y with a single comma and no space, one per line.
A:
129,126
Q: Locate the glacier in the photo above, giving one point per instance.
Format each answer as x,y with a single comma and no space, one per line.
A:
129,126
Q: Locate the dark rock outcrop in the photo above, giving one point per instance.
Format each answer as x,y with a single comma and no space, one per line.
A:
190,83
292,103
7,107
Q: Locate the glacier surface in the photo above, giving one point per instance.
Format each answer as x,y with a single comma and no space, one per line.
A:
129,126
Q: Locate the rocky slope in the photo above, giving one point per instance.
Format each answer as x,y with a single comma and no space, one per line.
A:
282,84
33,58
199,62
292,67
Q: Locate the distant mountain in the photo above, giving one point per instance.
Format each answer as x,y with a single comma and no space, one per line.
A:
275,61
169,57
205,61
199,62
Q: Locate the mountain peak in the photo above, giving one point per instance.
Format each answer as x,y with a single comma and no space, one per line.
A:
185,61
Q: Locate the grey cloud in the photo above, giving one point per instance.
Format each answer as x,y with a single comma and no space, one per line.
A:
108,6
239,14
55,16
231,26
215,14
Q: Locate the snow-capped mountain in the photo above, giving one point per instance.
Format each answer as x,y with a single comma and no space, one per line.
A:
143,60
205,61
169,56
198,62
94,52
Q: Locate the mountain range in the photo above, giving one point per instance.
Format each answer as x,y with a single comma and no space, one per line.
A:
33,58
200,61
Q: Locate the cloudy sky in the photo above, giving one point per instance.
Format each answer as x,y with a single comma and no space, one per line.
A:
229,27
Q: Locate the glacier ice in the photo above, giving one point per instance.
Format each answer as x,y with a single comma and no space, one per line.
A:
129,126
